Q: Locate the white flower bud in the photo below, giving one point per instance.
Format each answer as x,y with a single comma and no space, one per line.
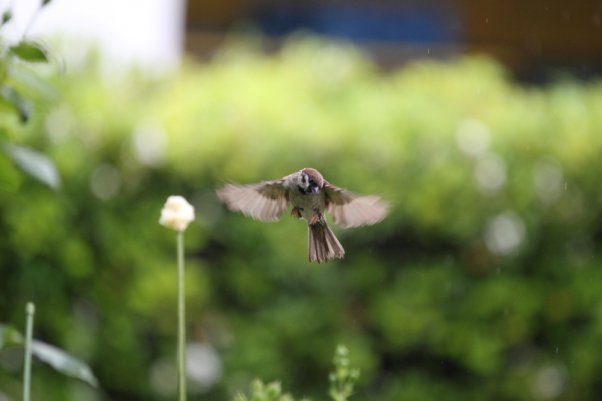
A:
177,213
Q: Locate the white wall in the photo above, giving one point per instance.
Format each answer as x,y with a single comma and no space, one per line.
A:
144,32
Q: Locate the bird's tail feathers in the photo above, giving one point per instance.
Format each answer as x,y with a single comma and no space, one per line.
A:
323,245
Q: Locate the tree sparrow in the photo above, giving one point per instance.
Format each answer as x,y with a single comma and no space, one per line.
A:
310,195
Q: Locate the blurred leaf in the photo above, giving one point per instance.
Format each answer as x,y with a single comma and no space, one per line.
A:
36,164
9,336
53,356
28,80
6,16
45,2
11,99
29,51
63,362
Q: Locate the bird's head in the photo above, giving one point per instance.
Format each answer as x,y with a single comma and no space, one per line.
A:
310,180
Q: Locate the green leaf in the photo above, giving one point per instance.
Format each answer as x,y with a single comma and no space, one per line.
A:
11,99
58,359
9,336
45,2
6,16
29,51
36,164
10,176
63,362
28,81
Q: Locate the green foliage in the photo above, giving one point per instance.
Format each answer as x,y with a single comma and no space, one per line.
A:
343,379
262,392
20,88
13,101
57,358
483,283
36,164
9,336
7,16
29,51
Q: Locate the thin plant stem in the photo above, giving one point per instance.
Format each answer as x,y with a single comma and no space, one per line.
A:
33,19
181,321
30,310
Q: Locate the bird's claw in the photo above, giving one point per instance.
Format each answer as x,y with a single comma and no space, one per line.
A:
315,218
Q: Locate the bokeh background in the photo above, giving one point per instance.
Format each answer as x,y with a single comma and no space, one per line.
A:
480,123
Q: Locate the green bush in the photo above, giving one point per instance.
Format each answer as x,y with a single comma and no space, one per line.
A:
482,284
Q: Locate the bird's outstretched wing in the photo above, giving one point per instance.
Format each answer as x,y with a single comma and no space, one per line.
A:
263,201
351,210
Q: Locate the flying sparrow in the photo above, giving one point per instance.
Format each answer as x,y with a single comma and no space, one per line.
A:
310,195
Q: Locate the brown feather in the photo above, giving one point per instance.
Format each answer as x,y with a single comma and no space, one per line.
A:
265,201
323,245
351,210
315,176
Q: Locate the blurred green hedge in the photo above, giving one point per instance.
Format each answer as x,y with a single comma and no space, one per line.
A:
483,283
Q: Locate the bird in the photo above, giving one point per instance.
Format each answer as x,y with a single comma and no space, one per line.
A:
310,196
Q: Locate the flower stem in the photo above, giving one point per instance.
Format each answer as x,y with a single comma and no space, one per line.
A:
30,311
181,320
